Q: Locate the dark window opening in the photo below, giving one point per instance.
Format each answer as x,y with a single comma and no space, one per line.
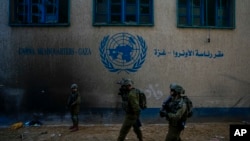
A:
206,13
39,13
123,12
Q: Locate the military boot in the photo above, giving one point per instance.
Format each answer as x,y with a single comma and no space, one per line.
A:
75,128
71,127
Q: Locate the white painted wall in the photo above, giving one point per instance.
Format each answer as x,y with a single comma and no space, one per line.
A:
210,82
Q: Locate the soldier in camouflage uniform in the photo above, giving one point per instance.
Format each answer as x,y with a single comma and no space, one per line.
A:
130,100
73,104
175,110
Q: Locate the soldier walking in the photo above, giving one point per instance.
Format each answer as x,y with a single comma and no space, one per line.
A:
130,103
175,110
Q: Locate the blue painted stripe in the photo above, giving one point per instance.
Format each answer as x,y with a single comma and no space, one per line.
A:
150,115
198,112
207,112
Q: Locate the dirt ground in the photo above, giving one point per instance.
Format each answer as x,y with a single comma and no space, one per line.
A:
215,131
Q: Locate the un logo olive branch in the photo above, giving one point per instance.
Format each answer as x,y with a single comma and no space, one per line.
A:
142,58
105,61
126,49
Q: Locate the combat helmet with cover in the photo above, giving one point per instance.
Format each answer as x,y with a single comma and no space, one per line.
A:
74,86
177,88
127,82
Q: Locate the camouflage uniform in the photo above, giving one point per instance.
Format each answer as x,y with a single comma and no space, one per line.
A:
176,113
73,104
132,109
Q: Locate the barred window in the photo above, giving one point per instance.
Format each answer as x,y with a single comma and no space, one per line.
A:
206,13
39,13
123,12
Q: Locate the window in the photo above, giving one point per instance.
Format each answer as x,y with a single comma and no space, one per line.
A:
123,12
39,13
206,13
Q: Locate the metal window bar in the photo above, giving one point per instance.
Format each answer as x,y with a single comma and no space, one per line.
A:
37,11
123,12
51,11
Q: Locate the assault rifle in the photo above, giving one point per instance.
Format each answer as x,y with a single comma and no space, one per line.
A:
165,109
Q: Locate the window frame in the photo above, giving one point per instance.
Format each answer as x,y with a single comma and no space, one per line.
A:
59,17
108,15
204,17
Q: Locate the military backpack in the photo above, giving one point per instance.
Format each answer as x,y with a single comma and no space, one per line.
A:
142,99
189,104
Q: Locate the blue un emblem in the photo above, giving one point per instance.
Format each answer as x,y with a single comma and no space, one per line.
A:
123,52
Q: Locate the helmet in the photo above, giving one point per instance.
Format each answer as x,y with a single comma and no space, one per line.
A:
177,88
127,82
74,86
120,82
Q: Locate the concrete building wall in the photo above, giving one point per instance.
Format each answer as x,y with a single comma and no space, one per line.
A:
32,80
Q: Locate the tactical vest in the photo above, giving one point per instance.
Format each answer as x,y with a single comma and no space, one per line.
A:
125,103
174,106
